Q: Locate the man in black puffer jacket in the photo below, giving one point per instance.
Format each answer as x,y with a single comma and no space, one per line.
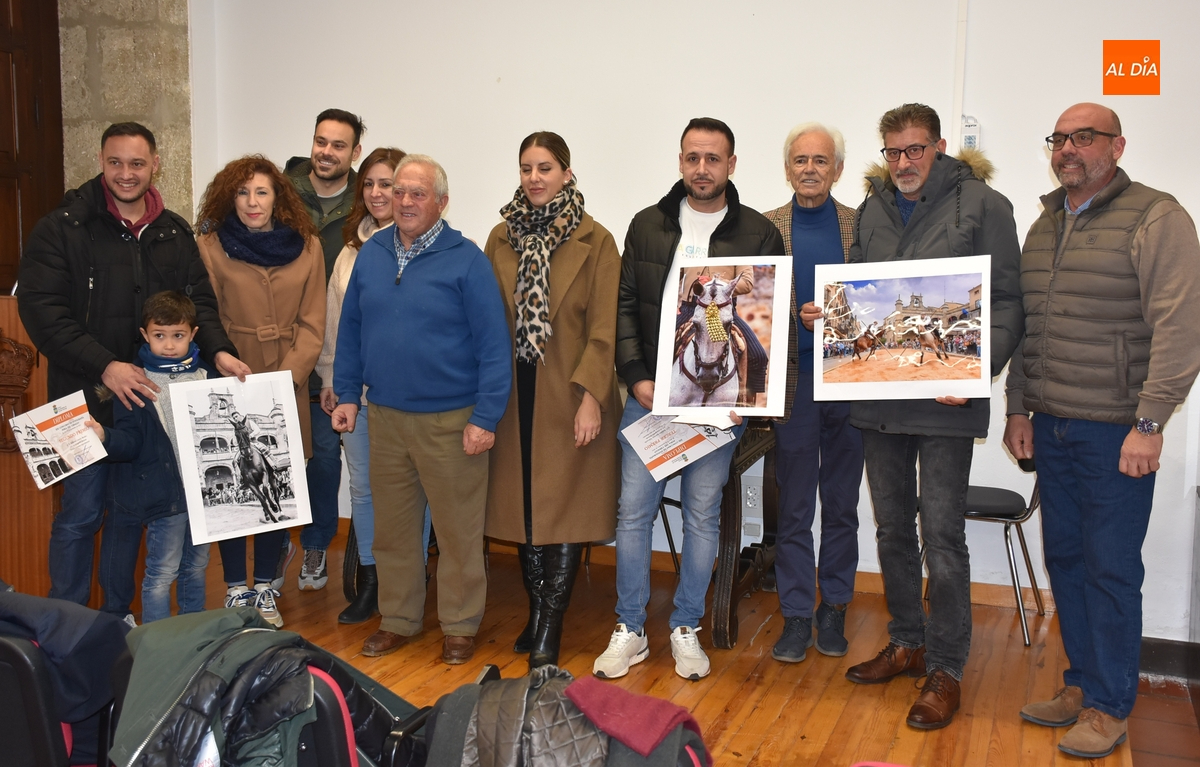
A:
86,271
701,217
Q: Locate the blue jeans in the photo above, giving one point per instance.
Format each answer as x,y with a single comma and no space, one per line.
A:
1094,520
358,461
816,447
324,473
701,486
73,534
170,554
945,473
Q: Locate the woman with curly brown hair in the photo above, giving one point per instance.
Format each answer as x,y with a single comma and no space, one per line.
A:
267,268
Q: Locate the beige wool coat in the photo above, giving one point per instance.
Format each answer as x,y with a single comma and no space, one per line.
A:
275,316
575,490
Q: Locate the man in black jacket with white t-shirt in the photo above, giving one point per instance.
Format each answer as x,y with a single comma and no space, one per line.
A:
701,217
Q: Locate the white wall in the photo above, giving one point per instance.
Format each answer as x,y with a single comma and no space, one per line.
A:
465,82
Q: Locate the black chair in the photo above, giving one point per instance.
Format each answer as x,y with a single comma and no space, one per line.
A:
29,726
1008,508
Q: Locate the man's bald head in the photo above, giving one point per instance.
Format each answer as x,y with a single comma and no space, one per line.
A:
1098,116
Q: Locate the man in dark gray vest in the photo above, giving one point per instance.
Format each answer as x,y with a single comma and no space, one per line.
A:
1112,299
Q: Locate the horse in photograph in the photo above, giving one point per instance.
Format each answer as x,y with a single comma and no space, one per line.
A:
929,336
710,351
867,342
256,473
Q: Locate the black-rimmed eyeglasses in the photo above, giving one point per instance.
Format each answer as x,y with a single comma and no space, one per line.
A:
912,152
1080,138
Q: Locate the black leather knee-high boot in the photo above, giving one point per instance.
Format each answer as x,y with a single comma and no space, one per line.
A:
366,601
562,565
532,574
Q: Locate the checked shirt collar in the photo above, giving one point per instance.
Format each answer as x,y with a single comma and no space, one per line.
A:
403,257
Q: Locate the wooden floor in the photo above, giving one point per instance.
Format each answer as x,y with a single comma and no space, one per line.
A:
752,709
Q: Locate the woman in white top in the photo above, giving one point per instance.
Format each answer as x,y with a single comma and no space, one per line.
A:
372,211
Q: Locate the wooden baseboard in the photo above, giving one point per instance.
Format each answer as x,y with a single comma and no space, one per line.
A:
987,594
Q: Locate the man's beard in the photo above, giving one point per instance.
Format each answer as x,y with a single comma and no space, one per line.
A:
1087,174
334,173
908,183
127,197
716,191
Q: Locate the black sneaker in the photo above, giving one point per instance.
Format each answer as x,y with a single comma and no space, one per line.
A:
797,637
831,630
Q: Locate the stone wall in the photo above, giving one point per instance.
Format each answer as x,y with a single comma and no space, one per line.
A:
127,60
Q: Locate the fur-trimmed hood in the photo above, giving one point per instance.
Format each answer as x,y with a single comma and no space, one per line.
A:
979,165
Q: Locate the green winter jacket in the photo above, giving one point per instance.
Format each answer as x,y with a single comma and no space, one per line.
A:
329,225
181,666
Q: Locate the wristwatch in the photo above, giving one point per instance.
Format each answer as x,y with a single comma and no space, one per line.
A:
1147,426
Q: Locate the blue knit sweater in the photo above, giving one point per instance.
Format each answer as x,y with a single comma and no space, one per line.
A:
438,341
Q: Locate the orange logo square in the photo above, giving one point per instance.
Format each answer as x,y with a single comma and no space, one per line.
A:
1131,68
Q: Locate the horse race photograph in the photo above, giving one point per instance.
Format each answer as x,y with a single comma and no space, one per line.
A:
245,439
902,330
718,338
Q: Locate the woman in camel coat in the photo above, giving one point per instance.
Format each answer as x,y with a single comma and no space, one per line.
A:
554,476
267,269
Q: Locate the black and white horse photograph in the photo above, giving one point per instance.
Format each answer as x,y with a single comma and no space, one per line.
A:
244,440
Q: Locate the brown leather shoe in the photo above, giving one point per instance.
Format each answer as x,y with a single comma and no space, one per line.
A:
937,703
1095,735
891,661
457,650
381,643
1060,711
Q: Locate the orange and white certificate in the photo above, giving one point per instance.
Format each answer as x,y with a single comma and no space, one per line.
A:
666,446
54,440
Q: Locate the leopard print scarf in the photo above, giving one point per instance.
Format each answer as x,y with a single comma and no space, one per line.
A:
535,233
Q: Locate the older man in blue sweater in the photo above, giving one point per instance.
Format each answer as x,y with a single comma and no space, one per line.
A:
815,445
423,328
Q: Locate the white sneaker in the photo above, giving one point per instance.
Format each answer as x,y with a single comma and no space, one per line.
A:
264,601
130,621
625,648
313,573
239,596
690,660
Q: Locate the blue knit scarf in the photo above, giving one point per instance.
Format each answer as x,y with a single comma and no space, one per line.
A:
278,247
156,364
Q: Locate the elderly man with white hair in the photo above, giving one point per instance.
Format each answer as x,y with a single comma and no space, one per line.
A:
423,328
815,444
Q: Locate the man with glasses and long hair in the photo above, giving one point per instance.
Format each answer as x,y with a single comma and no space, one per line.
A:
925,204
1112,300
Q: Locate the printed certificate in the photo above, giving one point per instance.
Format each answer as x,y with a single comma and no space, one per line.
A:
54,441
666,446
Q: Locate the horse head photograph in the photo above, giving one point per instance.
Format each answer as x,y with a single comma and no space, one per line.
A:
710,355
